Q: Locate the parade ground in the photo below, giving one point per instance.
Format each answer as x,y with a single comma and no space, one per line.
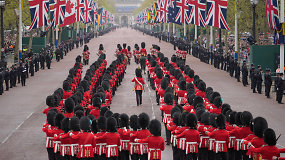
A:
21,117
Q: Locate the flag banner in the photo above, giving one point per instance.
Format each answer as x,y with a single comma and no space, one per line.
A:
197,12
39,13
69,16
57,11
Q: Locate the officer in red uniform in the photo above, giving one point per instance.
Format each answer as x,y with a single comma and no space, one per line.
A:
49,125
124,133
134,147
68,107
101,50
155,142
139,82
86,55
168,100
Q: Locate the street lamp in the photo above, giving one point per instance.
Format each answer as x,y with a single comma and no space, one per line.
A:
253,3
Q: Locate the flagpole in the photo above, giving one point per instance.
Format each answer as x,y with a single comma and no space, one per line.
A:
211,38
184,29
173,29
168,30
282,45
77,29
196,34
236,30
20,29
56,35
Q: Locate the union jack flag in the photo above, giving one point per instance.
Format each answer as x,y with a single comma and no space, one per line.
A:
272,13
94,10
217,14
163,11
181,8
39,13
158,11
79,10
197,12
104,16
57,11
144,16
87,11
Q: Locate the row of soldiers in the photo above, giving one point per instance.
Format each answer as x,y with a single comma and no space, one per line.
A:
199,125
237,70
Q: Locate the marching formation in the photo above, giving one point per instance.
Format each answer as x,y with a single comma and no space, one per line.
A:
198,124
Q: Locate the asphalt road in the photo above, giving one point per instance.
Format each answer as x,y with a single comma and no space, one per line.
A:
21,117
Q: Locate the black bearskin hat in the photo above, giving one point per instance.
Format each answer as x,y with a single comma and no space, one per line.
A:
174,110
143,45
50,117
155,127
108,114
94,127
79,113
124,120
91,117
159,74
191,120
168,98
85,123
182,85
232,117
66,85
116,116
259,125
269,137
177,118
65,125
134,122
50,101
111,124
103,110
124,45
190,98
57,120
225,107
197,100
246,118
74,124
199,113
202,86
213,96
101,47
69,105
205,118
97,102
102,123
238,118
138,72
129,48
213,119
164,83
218,102
78,107
143,120
183,118
221,121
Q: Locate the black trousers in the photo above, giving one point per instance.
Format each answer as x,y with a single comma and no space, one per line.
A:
48,65
168,134
175,152
135,157
259,87
139,97
19,78
182,154
7,85
279,96
124,155
191,156
1,87
231,154
143,157
23,80
51,155
203,154
244,81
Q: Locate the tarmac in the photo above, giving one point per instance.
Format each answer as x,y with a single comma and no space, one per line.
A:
21,118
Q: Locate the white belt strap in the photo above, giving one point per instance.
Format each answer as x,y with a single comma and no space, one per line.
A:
192,147
218,143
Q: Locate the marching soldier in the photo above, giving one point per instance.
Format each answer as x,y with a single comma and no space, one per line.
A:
267,82
139,82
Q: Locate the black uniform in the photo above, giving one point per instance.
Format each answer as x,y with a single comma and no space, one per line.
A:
48,61
42,61
1,82
254,80
23,75
27,68
36,63
12,78
32,71
279,89
259,81
7,78
244,75
237,71
267,83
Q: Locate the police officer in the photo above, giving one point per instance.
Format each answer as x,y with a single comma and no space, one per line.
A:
279,88
244,74
32,71
1,81
259,79
48,60
237,72
251,73
42,59
36,63
267,82
7,78
23,75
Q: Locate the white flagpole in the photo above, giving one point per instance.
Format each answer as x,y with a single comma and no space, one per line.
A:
184,29
236,30
173,29
56,35
196,34
211,38
20,29
282,45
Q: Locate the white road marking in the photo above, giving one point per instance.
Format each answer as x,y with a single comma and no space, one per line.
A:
16,128
152,108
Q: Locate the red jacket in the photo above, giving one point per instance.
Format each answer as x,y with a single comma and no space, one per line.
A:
138,83
221,137
192,136
155,146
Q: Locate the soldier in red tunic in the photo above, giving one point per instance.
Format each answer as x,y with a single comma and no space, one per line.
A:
139,82
64,142
192,137
168,100
57,131
124,133
143,121
49,125
155,142
101,50
134,147
86,55
68,107
100,144
95,108
112,139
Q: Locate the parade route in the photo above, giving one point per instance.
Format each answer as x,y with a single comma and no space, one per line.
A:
21,117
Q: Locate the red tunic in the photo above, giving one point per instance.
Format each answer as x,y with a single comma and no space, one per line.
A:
221,142
192,140
125,138
267,152
139,82
240,133
112,141
142,134
66,94
155,146
86,142
166,109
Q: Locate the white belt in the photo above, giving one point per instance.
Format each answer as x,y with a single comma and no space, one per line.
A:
238,143
109,149
141,147
57,143
203,137
192,148
132,145
182,143
230,141
63,148
152,149
72,148
211,140
48,141
123,144
101,146
86,145
218,143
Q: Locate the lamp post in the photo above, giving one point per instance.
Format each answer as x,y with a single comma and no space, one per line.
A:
2,5
253,3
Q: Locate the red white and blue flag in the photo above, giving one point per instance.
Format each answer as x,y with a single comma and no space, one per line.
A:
217,14
87,11
39,13
272,14
197,12
94,13
164,11
57,11
158,11
181,9
79,9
